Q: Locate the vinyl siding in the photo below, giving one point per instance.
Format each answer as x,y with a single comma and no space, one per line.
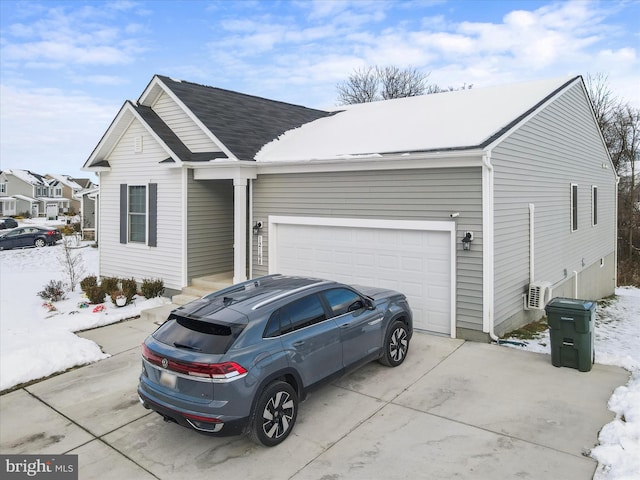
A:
537,164
210,226
397,195
183,126
135,260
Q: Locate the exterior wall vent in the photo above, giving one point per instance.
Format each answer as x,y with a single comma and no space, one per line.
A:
137,145
539,295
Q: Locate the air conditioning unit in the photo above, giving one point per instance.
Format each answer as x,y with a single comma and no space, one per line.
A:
539,295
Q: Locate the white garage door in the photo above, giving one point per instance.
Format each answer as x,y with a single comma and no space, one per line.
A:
414,258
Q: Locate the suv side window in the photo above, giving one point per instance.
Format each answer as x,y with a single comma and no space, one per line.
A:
343,300
278,325
302,313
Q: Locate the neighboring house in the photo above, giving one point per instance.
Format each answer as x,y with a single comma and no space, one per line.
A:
7,202
89,212
66,187
35,194
478,204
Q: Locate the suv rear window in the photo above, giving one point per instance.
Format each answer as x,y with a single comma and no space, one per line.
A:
196,335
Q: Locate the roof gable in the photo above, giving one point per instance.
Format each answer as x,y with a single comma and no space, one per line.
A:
242,123
458,120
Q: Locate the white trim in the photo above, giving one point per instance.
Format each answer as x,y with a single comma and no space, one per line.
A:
184,179
418,225
408,161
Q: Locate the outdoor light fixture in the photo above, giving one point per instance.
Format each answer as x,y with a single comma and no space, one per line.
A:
257,227
466,240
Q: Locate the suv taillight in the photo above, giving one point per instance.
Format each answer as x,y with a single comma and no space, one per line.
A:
220,371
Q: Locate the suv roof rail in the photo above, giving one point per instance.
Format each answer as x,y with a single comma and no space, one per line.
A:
290,292
246,285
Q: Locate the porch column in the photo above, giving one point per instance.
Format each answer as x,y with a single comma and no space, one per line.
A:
239,230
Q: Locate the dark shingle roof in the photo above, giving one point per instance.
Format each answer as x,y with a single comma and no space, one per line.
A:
243,123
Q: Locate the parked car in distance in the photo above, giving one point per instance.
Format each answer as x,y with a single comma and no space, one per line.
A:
29,237
7,223
241,359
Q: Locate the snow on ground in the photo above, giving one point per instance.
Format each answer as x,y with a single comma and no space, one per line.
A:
36,342
617,342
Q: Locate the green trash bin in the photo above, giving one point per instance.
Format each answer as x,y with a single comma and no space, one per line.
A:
571,330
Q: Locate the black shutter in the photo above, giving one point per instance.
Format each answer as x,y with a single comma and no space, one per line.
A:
123,213
153,214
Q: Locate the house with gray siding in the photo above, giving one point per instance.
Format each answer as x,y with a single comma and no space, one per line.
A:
479,205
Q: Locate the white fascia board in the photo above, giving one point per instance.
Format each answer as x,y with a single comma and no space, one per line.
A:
443,226
195,119
223,170
111,138
409,161
524,120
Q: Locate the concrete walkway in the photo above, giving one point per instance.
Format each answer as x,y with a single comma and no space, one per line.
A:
454,409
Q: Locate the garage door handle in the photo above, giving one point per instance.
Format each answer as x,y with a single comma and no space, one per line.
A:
298,344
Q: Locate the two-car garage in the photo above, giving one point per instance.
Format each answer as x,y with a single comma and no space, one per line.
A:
416,258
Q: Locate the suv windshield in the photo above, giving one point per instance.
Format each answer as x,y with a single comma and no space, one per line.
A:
196,335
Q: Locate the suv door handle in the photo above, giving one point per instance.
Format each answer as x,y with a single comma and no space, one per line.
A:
298,344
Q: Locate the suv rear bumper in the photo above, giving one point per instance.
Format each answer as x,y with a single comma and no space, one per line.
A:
198,422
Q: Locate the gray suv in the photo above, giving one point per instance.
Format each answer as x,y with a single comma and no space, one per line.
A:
240,359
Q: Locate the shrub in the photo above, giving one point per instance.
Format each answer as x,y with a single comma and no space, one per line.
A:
53,291
88,282
129,288
66,230
95,293
152,288
109,284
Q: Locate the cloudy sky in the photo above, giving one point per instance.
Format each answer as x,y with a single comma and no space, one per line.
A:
66,67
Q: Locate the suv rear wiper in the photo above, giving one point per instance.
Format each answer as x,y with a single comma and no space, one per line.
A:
186,347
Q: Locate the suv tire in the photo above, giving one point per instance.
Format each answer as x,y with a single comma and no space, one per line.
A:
396,344
275,414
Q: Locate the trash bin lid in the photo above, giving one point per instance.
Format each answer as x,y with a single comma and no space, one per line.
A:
572,304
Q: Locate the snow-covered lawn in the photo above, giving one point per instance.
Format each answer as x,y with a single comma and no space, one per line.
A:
36,342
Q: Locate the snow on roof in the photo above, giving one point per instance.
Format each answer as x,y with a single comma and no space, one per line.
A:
27,176
444,121
66,180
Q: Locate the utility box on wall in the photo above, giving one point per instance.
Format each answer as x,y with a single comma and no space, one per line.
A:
571,331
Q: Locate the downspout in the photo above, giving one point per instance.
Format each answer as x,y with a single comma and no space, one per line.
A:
488,248
532,223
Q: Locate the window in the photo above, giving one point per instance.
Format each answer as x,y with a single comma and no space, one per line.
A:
574,207
343,300
137,213
3,187
302,313
594,205
58,192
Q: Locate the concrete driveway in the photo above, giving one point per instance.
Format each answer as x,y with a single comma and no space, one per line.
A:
454,409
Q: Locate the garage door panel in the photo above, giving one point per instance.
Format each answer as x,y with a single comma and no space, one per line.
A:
414,262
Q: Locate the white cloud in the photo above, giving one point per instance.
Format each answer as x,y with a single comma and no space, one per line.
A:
83,36
50,131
